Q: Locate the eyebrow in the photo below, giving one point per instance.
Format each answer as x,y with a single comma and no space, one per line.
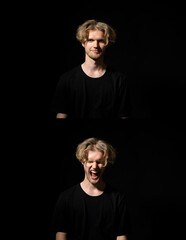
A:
98,160
99,39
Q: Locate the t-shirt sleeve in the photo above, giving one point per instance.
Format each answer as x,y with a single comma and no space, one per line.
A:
60,99
123,98
60,216
123,222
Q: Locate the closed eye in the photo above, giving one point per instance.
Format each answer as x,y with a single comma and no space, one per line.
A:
99,40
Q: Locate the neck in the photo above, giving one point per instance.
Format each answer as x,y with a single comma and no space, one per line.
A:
93,189
94,68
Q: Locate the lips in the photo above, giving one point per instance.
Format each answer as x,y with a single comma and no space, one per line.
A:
94,174
95,51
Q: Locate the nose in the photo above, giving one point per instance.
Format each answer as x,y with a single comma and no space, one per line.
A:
94,165
96,44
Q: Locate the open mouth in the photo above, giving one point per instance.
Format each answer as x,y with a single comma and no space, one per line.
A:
94,174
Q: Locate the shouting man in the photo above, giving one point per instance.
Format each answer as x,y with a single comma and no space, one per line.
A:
92,210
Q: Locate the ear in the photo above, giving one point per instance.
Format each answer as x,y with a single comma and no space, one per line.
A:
84,43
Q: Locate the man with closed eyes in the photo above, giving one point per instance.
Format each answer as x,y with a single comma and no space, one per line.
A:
92,209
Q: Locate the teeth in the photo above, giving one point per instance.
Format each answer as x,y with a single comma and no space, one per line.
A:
96,173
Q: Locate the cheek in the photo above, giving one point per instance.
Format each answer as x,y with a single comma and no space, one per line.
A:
86,167
102,169
87,45
104,48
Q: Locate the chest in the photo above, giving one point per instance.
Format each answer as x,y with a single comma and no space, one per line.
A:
90,87
94,210
93,217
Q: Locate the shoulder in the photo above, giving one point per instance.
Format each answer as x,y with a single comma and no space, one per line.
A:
115,193
67,194
117,75
70,77
71,72
115,71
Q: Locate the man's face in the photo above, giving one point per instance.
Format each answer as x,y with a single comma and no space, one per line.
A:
95,45
94,167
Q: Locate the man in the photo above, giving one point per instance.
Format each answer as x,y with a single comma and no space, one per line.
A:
92,90
92,210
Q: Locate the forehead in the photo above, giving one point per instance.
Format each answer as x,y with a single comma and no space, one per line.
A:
96,34
95,155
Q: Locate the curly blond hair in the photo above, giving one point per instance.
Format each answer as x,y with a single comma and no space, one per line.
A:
93,144
83,31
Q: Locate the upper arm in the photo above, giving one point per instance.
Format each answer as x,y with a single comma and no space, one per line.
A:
59,102
123,99
123,218
124,237
61,236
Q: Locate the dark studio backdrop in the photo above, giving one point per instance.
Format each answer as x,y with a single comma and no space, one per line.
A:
149,168
150,49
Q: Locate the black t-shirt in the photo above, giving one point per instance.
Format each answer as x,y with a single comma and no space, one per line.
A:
81,96
85,217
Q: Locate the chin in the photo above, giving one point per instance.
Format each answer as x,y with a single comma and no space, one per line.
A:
94,182
95,57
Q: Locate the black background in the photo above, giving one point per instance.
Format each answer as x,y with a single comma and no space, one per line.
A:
150,146
150,48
